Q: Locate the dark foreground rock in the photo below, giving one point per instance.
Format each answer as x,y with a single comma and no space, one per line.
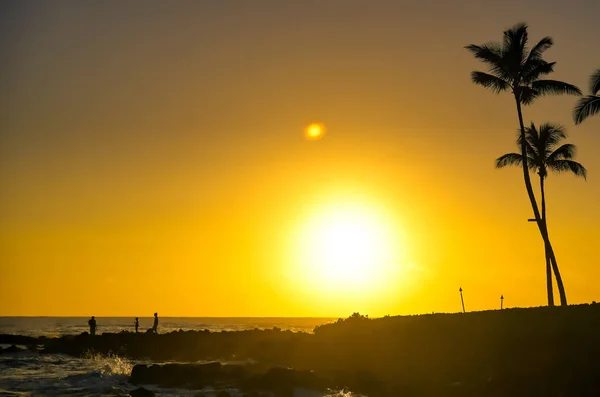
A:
20,340
284,380
248,377
141,392
195,376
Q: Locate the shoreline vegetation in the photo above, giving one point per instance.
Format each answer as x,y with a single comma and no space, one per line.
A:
545,351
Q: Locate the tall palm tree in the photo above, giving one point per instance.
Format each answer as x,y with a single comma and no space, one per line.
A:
589,105
515,68
543,155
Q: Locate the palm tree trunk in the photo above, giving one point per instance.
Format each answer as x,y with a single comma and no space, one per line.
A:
536,212
559,282
549,287
550,258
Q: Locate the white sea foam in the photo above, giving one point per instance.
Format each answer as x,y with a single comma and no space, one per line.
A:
110,364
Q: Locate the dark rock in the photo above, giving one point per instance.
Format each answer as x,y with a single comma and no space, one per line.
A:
12,349
139,374
253,393
282,381
141,392
6,339
174,375
223,393
234,370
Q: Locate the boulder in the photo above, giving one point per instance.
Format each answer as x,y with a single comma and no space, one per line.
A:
234,371
176,375
7,339
282,381
139,374
141,392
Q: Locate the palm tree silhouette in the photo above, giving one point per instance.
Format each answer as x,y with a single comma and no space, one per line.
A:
589,105
543,156
512,66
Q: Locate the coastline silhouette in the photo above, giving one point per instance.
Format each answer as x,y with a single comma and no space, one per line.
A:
513,352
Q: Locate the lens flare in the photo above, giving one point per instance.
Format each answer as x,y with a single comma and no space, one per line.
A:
314,131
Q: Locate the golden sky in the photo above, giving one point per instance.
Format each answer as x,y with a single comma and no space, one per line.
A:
153,158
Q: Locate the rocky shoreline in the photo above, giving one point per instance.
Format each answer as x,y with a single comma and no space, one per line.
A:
516,352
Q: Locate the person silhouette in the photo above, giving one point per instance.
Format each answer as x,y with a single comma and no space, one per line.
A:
155,326
137,324
92,324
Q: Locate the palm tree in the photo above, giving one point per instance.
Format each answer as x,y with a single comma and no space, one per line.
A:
542,156
589,105
514,67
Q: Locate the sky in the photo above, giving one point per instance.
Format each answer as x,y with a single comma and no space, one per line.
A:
152,158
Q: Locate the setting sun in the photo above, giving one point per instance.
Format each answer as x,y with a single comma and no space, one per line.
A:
344,249
314,131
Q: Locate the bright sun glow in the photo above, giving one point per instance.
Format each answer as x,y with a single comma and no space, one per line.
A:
348,249
345,247
314,131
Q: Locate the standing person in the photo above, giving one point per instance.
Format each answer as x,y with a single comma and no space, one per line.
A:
137,324
92,324
155,326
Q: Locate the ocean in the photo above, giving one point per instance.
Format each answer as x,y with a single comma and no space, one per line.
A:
27,373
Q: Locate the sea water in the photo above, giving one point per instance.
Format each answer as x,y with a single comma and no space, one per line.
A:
58,326
28,373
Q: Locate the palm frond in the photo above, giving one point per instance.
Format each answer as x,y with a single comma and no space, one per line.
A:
490,53
533,69
532,140
509,159
586,107
554,87
514,47
569,165
565,152
528,95
515,159
595,82
538,49
549,136
494,83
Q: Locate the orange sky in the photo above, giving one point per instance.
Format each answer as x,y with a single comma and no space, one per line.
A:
152,156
